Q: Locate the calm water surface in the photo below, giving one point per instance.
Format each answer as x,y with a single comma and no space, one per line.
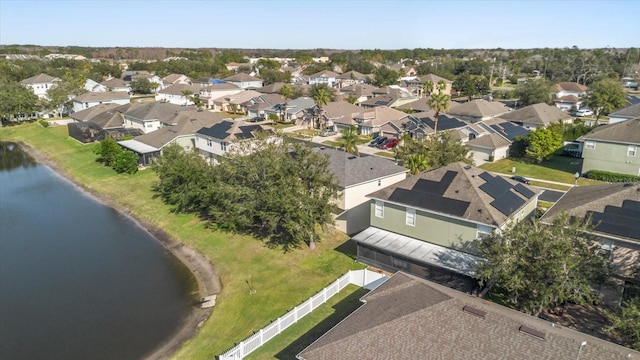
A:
77,279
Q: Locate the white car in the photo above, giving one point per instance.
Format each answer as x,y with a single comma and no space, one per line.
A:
584,112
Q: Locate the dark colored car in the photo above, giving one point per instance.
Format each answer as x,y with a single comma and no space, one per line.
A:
377,141
520,179
256,119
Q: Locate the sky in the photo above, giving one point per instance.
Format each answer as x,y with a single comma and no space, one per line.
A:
310,24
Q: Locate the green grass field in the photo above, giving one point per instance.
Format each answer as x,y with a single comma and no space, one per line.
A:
558,168
282,280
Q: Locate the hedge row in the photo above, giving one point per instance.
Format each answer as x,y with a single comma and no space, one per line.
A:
611,177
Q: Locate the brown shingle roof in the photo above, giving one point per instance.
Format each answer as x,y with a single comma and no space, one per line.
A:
478,108
627,131
571,86
39,79
186,123
102,96
411,318
490,141
464,186
241,77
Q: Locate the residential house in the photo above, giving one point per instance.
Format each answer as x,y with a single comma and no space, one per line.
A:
271,88
489,148
209,93
380,120
173,79
94,86
403,70
504,128
207,81
178,94
612,148
408,317
90,99
417,83
95,123
357,176
613,211
351,78
215,141
257,106
336,114
626,113
361,92
390,96
477,110
150,117
569,95
295,109
40,84
117,85
244,81
324,77
234,102
429,223
537,116
182,132
445,122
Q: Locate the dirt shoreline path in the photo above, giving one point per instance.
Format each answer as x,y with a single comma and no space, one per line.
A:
201,268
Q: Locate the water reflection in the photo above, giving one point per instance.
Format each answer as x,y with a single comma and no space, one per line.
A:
12,156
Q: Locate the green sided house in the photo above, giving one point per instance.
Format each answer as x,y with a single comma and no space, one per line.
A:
613,148
428,224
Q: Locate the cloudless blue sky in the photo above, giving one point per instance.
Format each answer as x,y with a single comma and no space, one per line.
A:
310,24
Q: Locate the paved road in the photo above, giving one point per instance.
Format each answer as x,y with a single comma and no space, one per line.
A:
550,195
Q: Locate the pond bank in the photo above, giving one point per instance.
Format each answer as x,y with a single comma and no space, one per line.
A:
198,264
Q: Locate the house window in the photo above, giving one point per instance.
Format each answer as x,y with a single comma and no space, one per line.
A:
483,231
149,125
632,150
590,145
410,217
379,209
209,142
223,146
379,182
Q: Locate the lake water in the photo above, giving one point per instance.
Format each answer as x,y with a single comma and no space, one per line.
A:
77,279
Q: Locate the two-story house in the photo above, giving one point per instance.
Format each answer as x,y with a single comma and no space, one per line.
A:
40,84
613,211
115,84
89,99
178,94
324,77
569,95
351,78
244,81
428,224
215,141
477,110
612,148
152,116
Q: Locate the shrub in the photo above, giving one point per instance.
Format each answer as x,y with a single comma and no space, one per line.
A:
107,150
611,177
126,162
44,123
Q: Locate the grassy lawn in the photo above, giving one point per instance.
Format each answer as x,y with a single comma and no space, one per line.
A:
281,125
558,168
301,334
281,280
387,154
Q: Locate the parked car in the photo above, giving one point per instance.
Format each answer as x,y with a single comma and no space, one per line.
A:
584,112
327,132
389,144
377,141
521,179
256,119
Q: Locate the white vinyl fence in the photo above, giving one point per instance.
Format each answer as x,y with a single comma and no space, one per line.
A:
363,278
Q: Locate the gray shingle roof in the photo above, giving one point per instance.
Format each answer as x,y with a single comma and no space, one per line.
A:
540,114
177,89
491,141
102,96
627,131
478,108
629,111
351,170
156,110
411,318
39,79
241,77
186,123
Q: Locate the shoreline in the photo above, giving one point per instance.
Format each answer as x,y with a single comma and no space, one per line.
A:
198,264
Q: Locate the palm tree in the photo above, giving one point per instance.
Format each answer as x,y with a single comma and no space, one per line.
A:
441,85
187,96
351,99
349,140
321,98
286,91
416,163
439,102
427,87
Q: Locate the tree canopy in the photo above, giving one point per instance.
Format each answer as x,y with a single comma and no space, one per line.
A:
605,96
437,150
471,85
16,99
534,92
280,194
543,143
534,266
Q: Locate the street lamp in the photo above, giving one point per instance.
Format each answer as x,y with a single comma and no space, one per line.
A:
577,176
581,346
